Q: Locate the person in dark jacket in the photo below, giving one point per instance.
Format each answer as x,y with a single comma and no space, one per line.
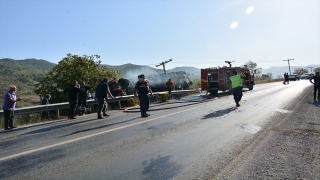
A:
71,92
143,89
316,83
101,95
82,98
45,101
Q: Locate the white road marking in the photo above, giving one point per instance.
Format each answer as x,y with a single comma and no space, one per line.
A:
88,136
252,129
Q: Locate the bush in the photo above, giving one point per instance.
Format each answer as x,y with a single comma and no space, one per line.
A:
163,97
133,101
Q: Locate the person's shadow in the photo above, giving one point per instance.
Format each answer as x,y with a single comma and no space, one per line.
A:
219,113
316,103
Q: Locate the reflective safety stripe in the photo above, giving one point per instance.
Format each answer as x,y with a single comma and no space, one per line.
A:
236,81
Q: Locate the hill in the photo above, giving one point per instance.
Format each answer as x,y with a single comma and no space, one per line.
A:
279,71
23,74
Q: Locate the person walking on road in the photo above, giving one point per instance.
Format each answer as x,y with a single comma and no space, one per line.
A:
101,95
236,83
71,92
8,107
142,87
316,83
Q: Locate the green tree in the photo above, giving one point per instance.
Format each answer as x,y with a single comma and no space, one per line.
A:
254,67
300,71
73,67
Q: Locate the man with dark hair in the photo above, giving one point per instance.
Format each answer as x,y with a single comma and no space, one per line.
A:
45,101
236,83
143,89
102,92
316,83
82,98
71,92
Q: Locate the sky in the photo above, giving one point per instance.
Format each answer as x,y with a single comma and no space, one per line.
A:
195,33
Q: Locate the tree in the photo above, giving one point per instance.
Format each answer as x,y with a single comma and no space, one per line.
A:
73,67
300,71
253,66
270,76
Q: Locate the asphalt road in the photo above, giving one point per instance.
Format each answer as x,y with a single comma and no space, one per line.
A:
193,138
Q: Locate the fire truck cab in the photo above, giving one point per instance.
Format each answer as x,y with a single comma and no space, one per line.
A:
217,78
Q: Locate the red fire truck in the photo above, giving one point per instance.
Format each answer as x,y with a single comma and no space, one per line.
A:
217,78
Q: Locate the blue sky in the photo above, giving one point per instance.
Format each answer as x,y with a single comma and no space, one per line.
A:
197,33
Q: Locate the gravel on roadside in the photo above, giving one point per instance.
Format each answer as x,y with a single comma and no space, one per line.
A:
288,149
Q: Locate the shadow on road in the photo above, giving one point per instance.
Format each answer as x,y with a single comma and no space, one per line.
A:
100,127
316,103
219,113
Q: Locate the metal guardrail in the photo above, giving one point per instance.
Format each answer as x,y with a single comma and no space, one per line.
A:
65,105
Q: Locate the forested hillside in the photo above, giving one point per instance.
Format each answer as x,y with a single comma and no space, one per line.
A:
23,74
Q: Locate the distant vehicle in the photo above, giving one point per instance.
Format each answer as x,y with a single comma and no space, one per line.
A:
294,77
306,76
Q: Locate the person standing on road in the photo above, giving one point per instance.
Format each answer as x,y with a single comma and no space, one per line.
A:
316,83
236,83
71,92
284,78
142,87
287,78
82,99
45,101
8,107
170,87
101,95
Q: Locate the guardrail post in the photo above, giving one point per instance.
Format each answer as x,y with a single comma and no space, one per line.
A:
58,115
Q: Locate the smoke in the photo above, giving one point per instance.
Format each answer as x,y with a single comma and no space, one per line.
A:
131,74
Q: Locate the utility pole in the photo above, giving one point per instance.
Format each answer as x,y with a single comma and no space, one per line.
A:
311,69
289,64
163,63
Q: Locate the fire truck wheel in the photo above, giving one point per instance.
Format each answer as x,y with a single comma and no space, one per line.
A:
251,86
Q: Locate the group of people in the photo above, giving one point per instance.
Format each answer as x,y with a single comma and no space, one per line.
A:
77,95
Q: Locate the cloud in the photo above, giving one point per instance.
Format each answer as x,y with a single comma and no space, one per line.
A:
234,25
249,10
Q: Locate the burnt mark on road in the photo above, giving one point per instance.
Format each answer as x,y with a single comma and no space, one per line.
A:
161,168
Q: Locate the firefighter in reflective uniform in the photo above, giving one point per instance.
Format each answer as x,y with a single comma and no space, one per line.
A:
236,83
82,98
142,87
